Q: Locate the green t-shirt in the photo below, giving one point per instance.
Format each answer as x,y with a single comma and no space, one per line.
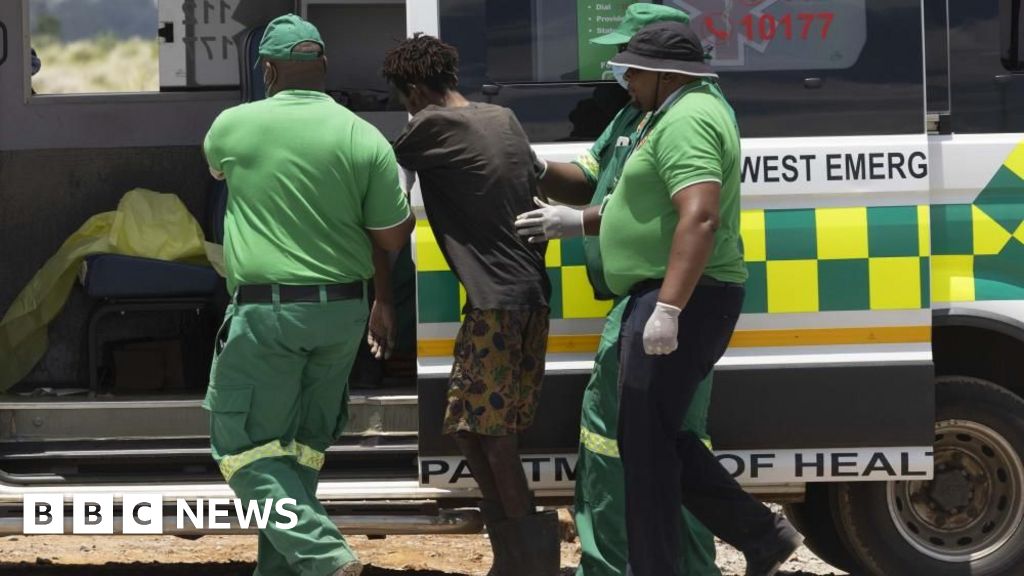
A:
307,178
696,140
602,166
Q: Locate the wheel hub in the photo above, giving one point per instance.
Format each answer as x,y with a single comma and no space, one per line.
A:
974,502
951,490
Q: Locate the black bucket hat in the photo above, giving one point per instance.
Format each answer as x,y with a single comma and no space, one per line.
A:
671,47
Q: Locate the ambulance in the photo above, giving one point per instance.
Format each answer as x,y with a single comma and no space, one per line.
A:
875,382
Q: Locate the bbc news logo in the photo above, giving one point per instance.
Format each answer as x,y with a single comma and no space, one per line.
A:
145,514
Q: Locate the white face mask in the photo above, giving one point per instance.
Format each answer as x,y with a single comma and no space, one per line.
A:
620,75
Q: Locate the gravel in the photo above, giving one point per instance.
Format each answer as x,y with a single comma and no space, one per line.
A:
467,555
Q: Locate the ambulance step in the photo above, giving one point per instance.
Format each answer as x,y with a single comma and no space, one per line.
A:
187,448
371,414
185,460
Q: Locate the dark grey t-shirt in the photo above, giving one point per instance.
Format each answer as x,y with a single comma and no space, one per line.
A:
477,173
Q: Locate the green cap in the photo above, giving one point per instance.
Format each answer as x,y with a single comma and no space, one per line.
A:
637,16
286,32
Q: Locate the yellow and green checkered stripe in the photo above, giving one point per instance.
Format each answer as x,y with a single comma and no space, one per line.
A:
821,259
835,259
808,260
978,249
440,296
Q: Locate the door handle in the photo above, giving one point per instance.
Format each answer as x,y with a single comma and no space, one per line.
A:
3,45
166,31
813,83
1007,78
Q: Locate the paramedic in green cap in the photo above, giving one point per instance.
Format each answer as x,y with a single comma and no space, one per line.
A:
600,493
313,189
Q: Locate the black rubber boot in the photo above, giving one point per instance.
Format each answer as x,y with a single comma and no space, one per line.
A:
537,545
498,534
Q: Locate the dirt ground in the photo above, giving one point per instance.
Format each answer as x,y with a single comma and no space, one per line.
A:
467,555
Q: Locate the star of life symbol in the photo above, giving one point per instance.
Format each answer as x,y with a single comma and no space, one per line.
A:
717,24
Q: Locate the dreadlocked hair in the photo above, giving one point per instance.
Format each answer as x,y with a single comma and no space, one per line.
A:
422,60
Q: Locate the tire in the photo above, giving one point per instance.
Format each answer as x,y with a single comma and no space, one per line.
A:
814,519
969,519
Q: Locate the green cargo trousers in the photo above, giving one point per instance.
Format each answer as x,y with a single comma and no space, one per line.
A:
600,486
278,397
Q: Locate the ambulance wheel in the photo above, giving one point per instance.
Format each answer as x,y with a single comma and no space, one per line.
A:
969,519
815,520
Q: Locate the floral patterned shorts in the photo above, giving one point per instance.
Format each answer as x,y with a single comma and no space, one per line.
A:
498,369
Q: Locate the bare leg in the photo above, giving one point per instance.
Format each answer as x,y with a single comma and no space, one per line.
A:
509,478
490,507
472,449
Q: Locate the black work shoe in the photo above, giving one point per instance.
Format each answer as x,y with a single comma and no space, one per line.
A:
774,553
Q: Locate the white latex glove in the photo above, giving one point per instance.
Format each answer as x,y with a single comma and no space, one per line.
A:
549,222
662,330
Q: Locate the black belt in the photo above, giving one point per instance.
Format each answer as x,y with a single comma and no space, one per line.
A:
264,293
709,281
653,283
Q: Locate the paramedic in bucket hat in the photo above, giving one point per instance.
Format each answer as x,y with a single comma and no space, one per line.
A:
670,239
313,190
600,495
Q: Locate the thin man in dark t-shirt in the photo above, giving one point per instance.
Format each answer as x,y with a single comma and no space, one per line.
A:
477,173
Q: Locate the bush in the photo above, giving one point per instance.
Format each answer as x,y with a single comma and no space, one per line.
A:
101,64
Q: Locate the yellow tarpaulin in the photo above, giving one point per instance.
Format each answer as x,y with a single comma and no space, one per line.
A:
146,224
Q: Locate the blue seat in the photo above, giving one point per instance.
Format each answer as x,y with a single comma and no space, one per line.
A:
116,276
113,276
130,284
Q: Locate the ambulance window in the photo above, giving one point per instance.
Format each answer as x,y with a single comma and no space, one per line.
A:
94,47
829,67
936,43
116,46
986,51
534,57
357,34
1011,34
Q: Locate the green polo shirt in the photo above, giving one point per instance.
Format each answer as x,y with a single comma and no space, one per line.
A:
696,140
602,166
307,179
